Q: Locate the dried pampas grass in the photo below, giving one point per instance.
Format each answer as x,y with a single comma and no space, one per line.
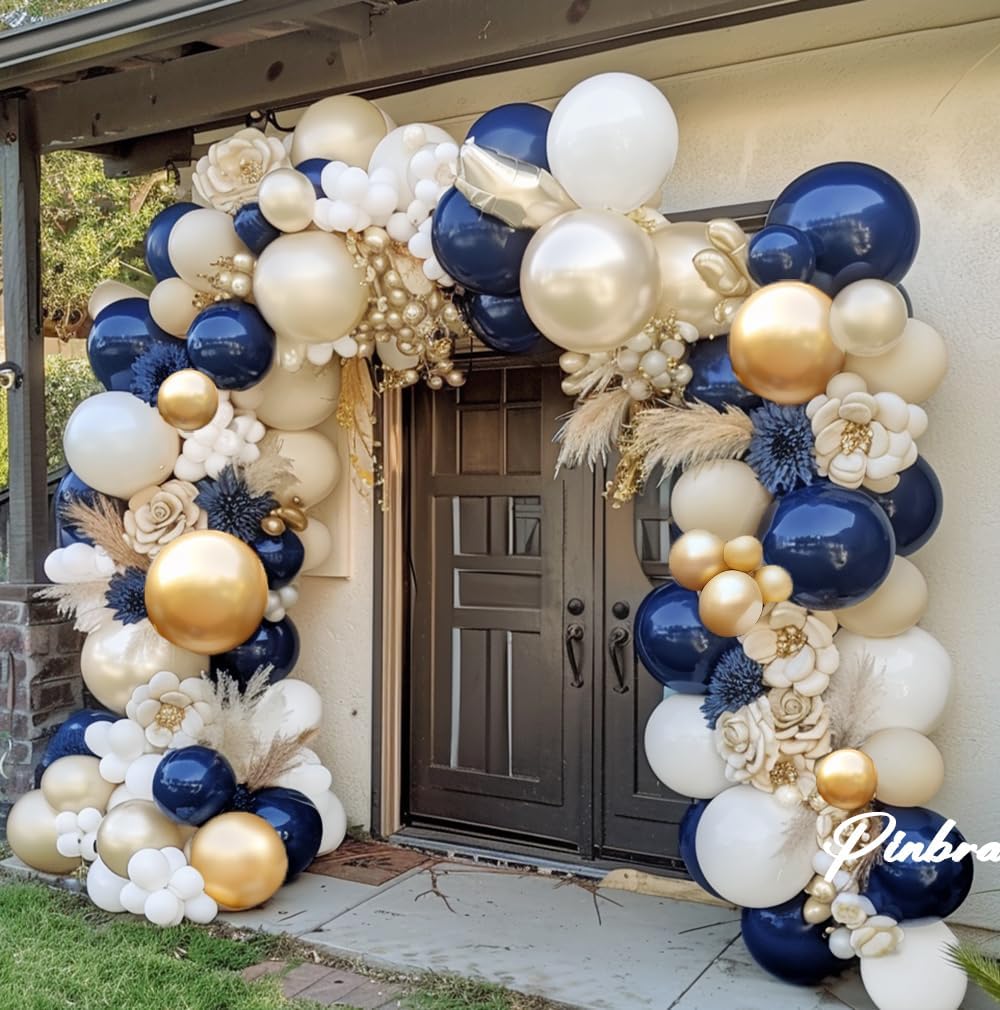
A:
851,702
271,474
101,521
272,759
83,601
591,430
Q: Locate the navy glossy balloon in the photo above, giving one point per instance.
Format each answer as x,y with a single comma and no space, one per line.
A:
914,506
915,890
687,832
518,129
70,489
837,545
713,380
907,299
861,220
281,556
193,784
780,253
274,643
158,235
254,230
231,344
297,821
501,322
479,251
121,332
312,169
70,738
673,644
787,946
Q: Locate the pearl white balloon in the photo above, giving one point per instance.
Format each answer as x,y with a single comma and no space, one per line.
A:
119,445
612,141
317,543
294,401
898,604
395,150
910,678
287,199
310,779
201,909
722,496
339,128
744,848
334,817
680,748
917,975
198,241
290,707
913,368
315,462
910,767
104,888
139,777
133,898
392,357
868,317
171,304
107,293
149,869
163,908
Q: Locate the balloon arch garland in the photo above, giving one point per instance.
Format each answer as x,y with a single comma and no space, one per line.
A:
777,379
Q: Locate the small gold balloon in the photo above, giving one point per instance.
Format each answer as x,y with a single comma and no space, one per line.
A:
780,343
815,911
730,604
131,826
821,889
206,591
695,558
31,833
75,782
774,582
273,525
846,778
187,399
241,858
744,554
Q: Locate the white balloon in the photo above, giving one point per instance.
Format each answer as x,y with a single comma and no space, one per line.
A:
119,445
149,869
104,888
127,738
163,908
187,883
171,304
612,141
198,241
133,899
290,707
317,543
899,603
97,737
744,848
309,778
396,148
201,910
315,462
139,777
913,368
722,496
917,975
910,767
107,293
89,819
294,401
680,748
174,857
331,810
119,796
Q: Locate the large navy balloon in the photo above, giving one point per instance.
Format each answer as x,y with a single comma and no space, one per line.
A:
837,545
274,644
70,489
122,332
713,380
479,251
907,889
518,129
193,784
70,738
861,221
687,831
780,253
281,556
158,235
254,230
298,823
787,946
231,344
913,506
312,169
673,644
502,322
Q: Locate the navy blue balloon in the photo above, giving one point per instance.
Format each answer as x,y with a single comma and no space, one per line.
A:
518,129
502,322
479,251
687,832
281,556
861,221
910,890
274,643
787,946
297,821
158,235
254,230
673,644
312,169
231,344
914,506
122,332
837,545
907,299
70,738
70,489
713,380
780,253
193,784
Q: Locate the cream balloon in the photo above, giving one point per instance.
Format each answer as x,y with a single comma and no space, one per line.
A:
308,287
107,293
119,445
249,399
899,603
287,199
334,818
913,368
868,317
722,496
198,242
317,543
339,128
392,357
31,833
397,147
74,782
910,767
315,462
590,280
172,306
909,678
294,401
680,748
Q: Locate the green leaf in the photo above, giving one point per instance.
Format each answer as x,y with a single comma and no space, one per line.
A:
979,966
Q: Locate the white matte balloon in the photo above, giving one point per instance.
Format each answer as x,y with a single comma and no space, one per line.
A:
868,317
198,241
287,199
290,707
294,401
315,462
149,869
133,898
334,817
163,908
680,748
395,150
201,909
722,496
899,603
910,767
107,293
913,368
171,304
139,777
104,888
317,543
187,883
339,128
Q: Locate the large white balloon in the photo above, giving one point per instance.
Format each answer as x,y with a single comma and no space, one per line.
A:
107,293
397,147
118,445
612,141
913,368
198,242
289,708
910,768
294,401
752,849
722,496
899,603
104,888
680,748
331,810
315,463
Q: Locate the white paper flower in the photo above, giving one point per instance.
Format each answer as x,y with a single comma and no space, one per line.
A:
165,889
230,174
172,712
795,647
231,437
747,743
118,744
879,936
158,515
863,438
79,563
852,910
76,833
280,601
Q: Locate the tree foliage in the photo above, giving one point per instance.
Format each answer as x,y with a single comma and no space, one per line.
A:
16,14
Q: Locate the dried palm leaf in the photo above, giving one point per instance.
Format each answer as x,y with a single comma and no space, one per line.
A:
590,431
83,601
852,700
272,759
101,521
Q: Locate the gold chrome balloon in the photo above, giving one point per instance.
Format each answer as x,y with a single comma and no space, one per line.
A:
815,911
744,554
695,558
131,826
74,782
780,343
187,399
206,591
31,833
730,604
241,858
774,582
846,778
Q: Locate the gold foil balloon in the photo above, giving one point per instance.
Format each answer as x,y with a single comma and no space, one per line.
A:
774,582
780,343
846,778
74,782
187,399
339,128
745,554
696,558
206,591
868,317
131,826
287,199
730,604
241,858
31,833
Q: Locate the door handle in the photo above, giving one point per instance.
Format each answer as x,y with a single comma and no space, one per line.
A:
618,638
574,634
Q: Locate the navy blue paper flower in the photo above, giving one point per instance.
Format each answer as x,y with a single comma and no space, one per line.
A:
126,596
781,448
231,507
736,680
158,363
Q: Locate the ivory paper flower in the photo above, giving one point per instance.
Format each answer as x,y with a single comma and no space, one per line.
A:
852,910
158,515
230,174
746,741
880,935
863,438
802,724
795,648
172,712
